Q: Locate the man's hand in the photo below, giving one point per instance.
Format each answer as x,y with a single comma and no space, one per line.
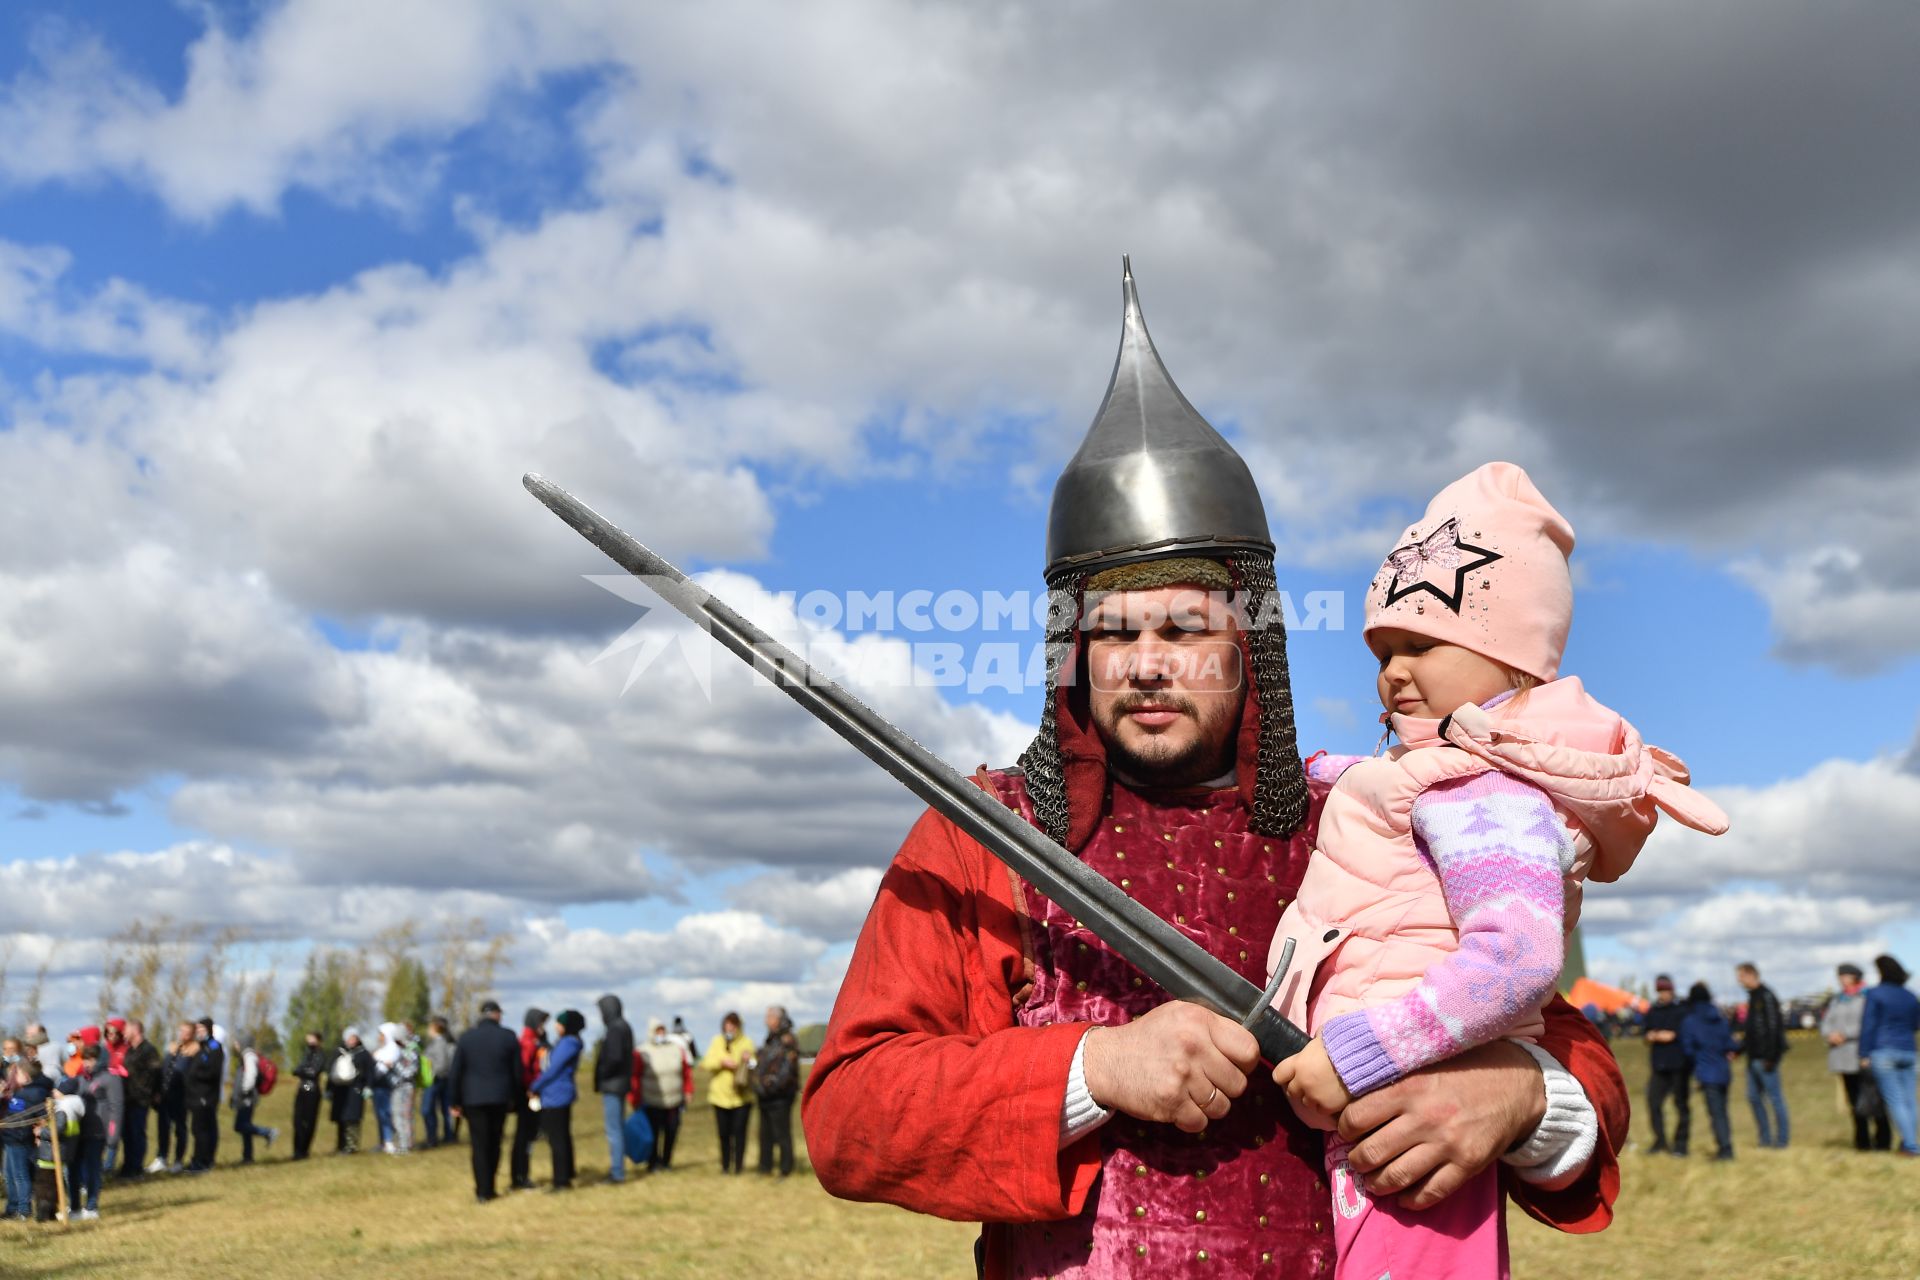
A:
1424,1136
455,1113
1310,1080
1177,1064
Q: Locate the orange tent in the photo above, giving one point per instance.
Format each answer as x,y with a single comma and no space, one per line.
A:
1585,991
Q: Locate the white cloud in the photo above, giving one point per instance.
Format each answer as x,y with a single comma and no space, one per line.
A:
1816,869
117,319
833,908
314,96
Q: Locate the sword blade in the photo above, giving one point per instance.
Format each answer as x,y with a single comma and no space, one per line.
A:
1181,966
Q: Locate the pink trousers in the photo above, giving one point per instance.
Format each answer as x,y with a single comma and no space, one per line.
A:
1464,1237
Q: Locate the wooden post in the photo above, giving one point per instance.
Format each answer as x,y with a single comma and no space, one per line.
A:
59,1174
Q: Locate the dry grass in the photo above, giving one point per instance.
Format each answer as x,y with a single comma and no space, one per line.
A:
1816,1210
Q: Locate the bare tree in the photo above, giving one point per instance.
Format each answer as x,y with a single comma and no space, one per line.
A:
30,1007
179,949
112,976
256,1019
213,968
146,963
6,962
469,960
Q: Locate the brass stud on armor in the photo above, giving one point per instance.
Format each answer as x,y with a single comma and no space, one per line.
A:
1120,856
1233,930
1139,1211
1229,895
1118,829
1201,1256
1243,955
1139,1171
1200,1175
1136,982
1263,1219
1269,877
1179,919
1263,1179
1139,1251
1080,986
1219,871
1180,888
1266,1257
1199,1215
1124,884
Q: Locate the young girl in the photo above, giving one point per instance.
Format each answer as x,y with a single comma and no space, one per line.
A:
1433,916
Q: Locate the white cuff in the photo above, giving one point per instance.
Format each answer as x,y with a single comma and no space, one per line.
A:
1080,1115
1557,1151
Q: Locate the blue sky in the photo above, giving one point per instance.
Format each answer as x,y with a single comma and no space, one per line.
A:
286,309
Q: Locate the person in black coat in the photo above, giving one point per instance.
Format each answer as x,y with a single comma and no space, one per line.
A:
311,1072
1671,1070
350,1075
1764,1042
612,1076
484,1083
203,1096
143,1070
172,1105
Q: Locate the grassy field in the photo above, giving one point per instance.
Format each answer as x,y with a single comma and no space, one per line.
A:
1816,1210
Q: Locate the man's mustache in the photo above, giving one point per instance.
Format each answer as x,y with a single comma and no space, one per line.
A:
1128,703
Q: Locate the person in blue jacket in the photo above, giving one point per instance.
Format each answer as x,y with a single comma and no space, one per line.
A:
554,1090
26,1098
1888,1025
1708,1042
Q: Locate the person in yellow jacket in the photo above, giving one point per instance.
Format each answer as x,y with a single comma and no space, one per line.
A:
728,1058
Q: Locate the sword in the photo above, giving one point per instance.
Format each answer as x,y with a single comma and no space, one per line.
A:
1181,966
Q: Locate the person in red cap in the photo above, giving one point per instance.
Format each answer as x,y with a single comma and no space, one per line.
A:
77,1042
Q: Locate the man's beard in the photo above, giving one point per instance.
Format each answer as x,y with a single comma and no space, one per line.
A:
1203,758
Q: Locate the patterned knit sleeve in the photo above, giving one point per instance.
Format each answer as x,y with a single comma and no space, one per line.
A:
1499,849
1323,766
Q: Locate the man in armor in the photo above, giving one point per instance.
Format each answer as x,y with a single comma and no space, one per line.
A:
990,1059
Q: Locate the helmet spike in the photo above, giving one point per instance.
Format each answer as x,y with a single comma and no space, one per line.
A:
1152,477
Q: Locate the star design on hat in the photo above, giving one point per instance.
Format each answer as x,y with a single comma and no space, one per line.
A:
1416,565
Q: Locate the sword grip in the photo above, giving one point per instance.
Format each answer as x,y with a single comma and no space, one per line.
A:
1279,1039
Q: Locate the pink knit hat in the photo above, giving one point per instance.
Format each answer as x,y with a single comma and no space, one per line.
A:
1486,569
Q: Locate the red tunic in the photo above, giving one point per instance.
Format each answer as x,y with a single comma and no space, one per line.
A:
940,1085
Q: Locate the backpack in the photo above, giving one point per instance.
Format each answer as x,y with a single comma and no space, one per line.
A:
267,1074
776,1072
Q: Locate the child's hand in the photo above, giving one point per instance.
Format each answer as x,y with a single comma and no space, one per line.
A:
1310,1080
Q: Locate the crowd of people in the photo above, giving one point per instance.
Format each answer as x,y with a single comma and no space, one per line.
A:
1871,1038
644,1088
73,1113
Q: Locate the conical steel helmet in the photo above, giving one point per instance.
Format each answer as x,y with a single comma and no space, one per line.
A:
1152,478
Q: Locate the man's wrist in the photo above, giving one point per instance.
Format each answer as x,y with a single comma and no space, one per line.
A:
1565,1129
1080,1115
